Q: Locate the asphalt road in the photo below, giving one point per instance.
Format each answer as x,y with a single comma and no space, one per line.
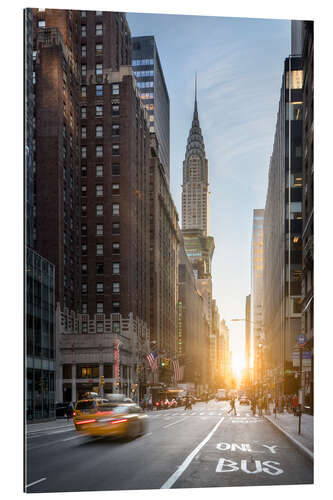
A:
204,447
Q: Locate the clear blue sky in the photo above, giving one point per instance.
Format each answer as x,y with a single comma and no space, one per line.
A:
239,63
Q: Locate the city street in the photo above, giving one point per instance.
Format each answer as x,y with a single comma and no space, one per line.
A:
182,449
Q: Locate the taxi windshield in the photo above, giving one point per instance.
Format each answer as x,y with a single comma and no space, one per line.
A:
86,405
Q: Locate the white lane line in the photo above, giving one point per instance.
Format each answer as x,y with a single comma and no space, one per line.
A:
35,482
172,479
73,437
173,423
194,413
202,413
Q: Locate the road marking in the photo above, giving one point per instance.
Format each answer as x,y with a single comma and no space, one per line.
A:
172,479
202,413
35,482
173,423
73,437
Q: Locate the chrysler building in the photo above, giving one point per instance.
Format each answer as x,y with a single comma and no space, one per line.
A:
195,202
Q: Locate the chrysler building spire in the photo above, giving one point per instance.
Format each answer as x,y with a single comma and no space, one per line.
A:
195,203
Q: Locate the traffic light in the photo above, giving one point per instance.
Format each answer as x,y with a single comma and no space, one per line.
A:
163,362
102,380
139,368
167,362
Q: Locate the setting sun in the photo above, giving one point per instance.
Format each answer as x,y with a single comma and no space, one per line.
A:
238,365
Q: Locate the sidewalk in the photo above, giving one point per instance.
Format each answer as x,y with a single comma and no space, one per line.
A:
287,423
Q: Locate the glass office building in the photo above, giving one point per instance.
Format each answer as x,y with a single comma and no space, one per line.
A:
39,337
150,81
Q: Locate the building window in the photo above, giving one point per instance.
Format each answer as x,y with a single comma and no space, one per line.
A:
100,268
99,69
83,13
115,149
83,70
84,190
83,152
115,324
83,112
99,110
99,190
115,110
115,307
115,267
99,13
99,170
84,229
84,288
41,24
99,229
88,371
115,88
99,210
83,51
100,307
99,249
115,169
115,129
99,287
84,268
99,130
99,90
99,29
84,249
99,151
116,247
83,210
83,132
99,49
99,326
115,228
83,30
83,171
84,308
115,189
115,208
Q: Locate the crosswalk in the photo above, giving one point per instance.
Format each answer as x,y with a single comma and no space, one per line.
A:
166,414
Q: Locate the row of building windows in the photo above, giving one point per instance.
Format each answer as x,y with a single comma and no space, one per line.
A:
99,111
98,49
100,190
100,287
100,209
100,248
141,74
145,85
142,62
99,131
98,30
100,268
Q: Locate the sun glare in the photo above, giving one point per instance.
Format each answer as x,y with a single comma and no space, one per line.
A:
238,365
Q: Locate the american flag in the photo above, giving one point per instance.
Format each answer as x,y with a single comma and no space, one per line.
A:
152,359
178,370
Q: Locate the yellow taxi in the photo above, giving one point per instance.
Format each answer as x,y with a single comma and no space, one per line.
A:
120,417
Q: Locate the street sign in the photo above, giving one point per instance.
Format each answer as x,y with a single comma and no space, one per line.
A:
306,359
301,339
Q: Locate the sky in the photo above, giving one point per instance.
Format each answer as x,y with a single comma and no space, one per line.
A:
239,65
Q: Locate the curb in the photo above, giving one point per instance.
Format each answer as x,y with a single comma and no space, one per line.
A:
303,449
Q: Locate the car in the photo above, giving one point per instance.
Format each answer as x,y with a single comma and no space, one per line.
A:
103,417
244,400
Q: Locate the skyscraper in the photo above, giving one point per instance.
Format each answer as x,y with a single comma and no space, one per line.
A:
199,245
154,93
283,232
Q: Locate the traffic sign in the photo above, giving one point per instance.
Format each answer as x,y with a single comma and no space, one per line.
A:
301,339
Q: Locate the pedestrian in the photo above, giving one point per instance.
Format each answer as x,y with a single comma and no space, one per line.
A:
295,403
253,405
260,405
232,406
150,403
69,412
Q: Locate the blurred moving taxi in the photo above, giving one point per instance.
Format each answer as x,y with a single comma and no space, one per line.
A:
118,417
